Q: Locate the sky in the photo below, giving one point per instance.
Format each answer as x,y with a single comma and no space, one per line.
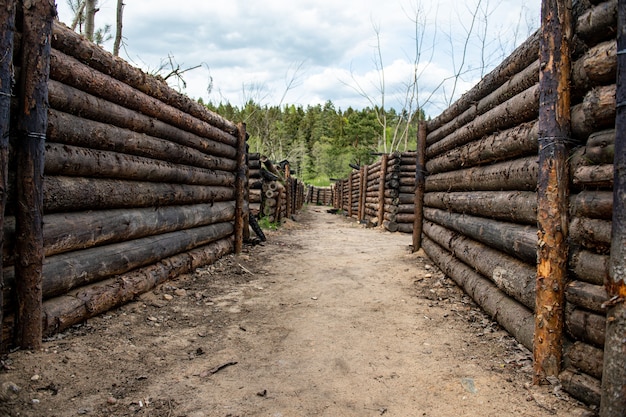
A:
306,52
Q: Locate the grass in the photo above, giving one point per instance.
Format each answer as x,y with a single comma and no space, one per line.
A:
267,225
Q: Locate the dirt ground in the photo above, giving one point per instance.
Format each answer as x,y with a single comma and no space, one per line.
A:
327,318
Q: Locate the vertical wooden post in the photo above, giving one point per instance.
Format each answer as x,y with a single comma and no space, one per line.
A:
363,193
552,187
420,183
7,30
381,188
350,193
30,148
613,397
240,187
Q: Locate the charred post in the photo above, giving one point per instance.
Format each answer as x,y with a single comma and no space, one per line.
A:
420,186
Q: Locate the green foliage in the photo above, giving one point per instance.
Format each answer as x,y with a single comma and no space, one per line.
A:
321,141
265,224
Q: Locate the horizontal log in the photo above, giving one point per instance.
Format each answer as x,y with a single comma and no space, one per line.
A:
513,316
516,240
585,357
405,227
73,44
596,112
390,226
589,266
592,204
83,162
586,295
516,142
581,386
591,233
254,164
523,107
71,100
406,208
596,67
62,312
66,232
73,130
405,218
598,23
406,189
69,71
586,326
518,175
512,206
76,194
594,176
515,278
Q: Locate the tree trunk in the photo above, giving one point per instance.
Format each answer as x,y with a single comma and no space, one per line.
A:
510,206
516,240
90,19
7,31
32,120
586,358
511,315
518,175
118,27
241,180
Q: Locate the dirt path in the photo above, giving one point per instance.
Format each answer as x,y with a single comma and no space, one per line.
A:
326,319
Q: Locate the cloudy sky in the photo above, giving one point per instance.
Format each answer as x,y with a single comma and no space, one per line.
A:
306,52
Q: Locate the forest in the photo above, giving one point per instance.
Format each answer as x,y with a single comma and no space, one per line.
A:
321,141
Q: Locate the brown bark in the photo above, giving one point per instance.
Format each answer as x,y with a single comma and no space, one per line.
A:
405,228
509,144
32,120
581,386
599,150
515,278
552,187
594,176
70,100
516,240
511,315
390,226
84,162
72,130
512,206
97,58
518,109
7,30
585,357
591,233
75,194
519,175
592,204
588,296
119,24
596,67
589,266
598,24
596,112
586,326
67,310
241,181
519,59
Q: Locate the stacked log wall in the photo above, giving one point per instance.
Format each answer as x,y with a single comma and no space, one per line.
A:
139,185
320,196
480,202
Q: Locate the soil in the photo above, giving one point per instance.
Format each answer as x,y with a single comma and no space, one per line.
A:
326,318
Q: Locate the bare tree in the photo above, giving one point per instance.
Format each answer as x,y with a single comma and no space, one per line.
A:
90,18
118,27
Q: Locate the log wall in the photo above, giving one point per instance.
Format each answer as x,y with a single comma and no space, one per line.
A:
321,196
139,185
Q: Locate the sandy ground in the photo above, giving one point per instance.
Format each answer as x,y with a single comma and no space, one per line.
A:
327,318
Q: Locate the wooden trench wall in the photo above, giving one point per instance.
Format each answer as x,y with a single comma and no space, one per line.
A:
138,183
320,196
480,198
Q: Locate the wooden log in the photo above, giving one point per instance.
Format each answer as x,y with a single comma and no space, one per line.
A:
254,164
591,233
516,240
69,71
519,59
592,204
70,193
390,226
405,217
406,208
515,278
589,296
512,206
70,100
7,31
241,181
599,150
598,23
72,130
518,175
585,357
405,228
84,162
509,144
75,45
65,232
511,315
581,386
406,189
594,176
596,112
589,266
31,124
596,67
586,326
521,108
420,187
77,306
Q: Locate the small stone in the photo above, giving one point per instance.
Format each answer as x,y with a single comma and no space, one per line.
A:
35,401
427,267
111,400
428,275
167,297
313,298
181,292
152,318
35,377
